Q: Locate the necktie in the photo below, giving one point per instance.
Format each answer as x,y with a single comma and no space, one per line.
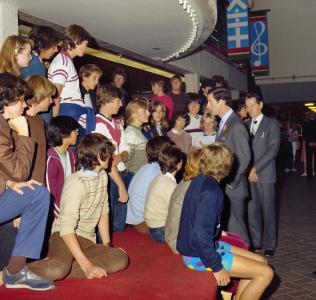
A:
253,130
219,128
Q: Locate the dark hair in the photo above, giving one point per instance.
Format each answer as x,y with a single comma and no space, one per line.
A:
193,97
155,146
73,36
254,95
44,37
180,114
238,105
219,81
176,77
119,71
159,82
207,83
107,93
221,94
169,158
90,147
59,128
12,89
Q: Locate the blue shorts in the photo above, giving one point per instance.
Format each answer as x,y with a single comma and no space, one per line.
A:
224,250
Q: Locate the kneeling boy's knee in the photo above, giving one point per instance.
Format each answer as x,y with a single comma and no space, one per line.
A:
121,260
268,273
41,196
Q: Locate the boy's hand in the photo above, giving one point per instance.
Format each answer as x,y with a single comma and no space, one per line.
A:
20,125
94,272
123,194
222,277
117,159
17,186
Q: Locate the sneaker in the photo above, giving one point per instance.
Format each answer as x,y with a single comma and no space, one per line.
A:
25,279
304,174
287,170
293,170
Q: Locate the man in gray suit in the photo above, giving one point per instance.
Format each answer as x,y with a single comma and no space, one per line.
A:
265,142
233,133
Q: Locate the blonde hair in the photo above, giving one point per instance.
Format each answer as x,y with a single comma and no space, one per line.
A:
133,106
216,160
208,115
191,169
41,87
12,46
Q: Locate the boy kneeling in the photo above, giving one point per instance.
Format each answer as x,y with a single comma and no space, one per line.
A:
73,251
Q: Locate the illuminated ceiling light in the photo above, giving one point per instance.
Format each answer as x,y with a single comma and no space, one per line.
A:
189,9
185,3
180,2
309,104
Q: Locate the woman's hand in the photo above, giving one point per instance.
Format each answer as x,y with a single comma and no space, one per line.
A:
222,277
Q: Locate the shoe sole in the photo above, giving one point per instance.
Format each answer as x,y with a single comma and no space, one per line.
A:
24,286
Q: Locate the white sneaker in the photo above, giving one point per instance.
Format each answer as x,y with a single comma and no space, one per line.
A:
304,174
293,170
287,170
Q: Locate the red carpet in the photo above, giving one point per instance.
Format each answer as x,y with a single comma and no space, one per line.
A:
154,273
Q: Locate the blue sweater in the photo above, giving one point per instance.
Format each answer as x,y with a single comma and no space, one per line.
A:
200,221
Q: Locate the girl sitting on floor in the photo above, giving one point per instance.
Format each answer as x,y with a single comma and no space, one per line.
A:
160,190
199,230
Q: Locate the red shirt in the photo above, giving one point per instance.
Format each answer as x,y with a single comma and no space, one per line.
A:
168,102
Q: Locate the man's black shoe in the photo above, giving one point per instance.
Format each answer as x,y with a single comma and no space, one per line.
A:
269,252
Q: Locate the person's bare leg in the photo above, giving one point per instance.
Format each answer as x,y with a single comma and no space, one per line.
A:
243,252
254,272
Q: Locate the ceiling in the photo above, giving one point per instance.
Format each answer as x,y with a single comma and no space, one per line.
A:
152,28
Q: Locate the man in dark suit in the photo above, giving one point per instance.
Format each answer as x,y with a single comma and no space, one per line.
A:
265,142
233,133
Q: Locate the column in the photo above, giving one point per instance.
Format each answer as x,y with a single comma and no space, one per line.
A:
8,19
192,82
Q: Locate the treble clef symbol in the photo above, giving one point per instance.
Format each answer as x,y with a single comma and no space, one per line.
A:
259,48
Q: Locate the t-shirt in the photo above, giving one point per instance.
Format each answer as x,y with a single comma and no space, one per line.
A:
180,101
194,129
65,162
62,71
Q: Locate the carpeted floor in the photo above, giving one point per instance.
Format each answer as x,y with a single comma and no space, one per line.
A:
154,273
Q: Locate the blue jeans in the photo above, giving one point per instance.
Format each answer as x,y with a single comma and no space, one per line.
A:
158,234
33,207
118,210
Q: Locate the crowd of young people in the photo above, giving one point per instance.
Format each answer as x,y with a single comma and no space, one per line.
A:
60,138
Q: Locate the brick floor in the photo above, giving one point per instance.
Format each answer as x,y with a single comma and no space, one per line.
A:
295,258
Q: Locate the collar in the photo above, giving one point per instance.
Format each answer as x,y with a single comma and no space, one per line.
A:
258,119
169,175
109,119
89,172
176,132
226,116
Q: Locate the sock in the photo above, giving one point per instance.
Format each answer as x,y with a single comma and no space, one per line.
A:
16,264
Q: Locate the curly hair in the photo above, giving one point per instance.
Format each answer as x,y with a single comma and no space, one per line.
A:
216,160
90,147
44,37
12,89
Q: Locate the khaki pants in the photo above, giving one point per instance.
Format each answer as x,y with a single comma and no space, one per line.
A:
61,263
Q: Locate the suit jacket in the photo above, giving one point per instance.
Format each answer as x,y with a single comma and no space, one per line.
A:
235,136
265,147
16,155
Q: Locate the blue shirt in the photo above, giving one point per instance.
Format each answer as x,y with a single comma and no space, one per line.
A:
137,192
35,67
200,221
